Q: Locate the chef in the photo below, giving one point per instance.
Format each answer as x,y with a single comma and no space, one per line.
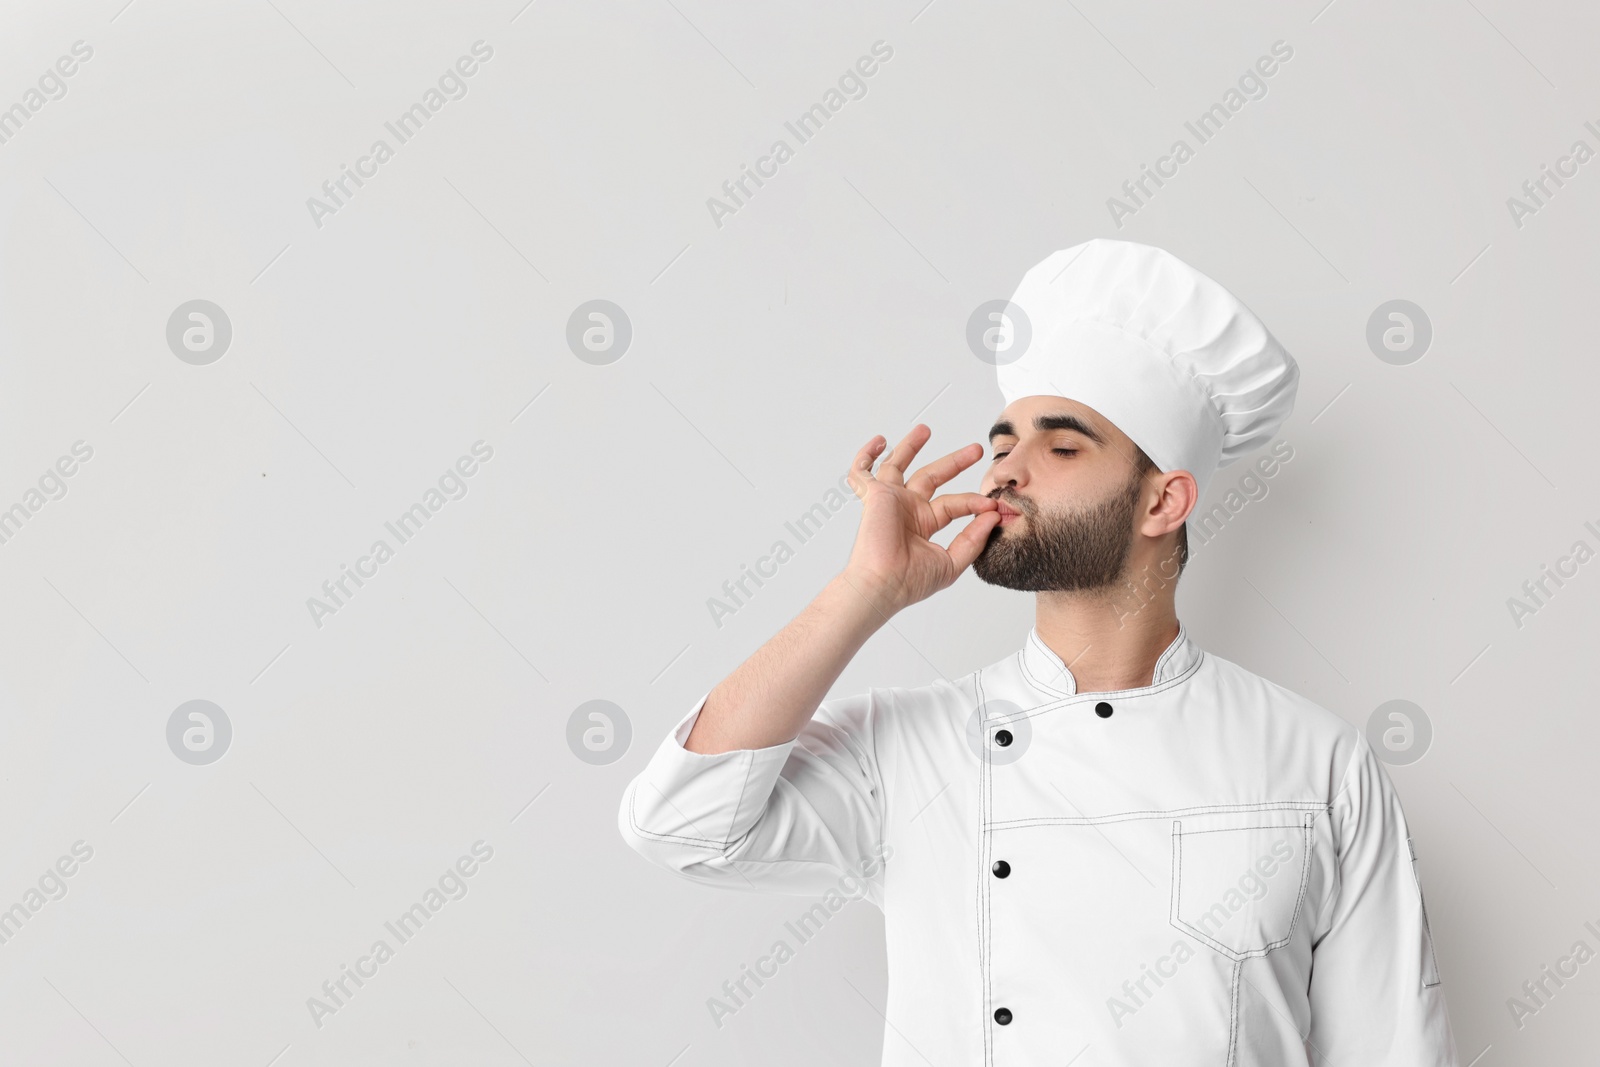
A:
1112,847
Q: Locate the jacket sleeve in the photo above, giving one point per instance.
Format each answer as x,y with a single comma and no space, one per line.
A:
799,817
1375,994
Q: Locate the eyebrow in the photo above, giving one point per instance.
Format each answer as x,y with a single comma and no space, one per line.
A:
1045,423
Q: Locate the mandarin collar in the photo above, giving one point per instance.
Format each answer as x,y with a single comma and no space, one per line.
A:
1045,670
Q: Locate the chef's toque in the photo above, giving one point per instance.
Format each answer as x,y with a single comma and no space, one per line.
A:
1173,359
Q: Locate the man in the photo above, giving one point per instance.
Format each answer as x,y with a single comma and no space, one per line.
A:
1111,845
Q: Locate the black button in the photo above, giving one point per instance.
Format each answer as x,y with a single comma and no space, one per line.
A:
1001,868
1002,738
1103,710
1002,1015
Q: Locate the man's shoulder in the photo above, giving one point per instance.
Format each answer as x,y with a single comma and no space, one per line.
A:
1240,687
937,705
957,691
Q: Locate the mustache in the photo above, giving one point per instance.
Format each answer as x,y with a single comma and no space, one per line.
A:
1013,500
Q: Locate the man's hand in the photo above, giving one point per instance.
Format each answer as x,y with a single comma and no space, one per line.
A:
893,562
773,694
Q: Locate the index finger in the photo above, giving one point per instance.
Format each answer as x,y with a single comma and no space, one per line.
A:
941,470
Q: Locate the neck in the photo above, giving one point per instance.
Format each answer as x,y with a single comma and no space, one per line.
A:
1108,641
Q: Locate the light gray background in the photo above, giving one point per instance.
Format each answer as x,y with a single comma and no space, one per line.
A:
430,312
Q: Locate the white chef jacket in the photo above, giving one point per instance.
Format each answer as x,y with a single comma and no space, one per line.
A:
1207,870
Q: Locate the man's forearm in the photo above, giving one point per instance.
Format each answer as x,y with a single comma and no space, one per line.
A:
773,694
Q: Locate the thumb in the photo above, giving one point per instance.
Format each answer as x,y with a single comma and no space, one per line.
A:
966,545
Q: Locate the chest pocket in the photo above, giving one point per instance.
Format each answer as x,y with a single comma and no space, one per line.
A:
1238,879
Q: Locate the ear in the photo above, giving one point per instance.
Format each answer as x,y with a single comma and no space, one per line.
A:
1175,497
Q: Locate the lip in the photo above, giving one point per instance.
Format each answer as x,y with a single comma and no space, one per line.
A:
1007,512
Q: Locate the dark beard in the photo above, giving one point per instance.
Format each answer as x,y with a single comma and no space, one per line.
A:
1085,549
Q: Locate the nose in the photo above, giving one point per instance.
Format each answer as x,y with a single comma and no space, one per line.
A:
1010,472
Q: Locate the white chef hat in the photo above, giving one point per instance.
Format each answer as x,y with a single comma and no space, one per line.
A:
1177,362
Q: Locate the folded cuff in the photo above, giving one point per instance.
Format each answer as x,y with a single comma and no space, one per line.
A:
699,799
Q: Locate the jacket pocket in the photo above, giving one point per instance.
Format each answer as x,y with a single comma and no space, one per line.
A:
1238,883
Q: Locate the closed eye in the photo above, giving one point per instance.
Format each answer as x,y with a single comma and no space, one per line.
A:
1058,451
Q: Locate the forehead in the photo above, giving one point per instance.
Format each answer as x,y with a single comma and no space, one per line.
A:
1035,414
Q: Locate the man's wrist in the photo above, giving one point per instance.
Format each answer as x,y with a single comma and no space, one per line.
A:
873,602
